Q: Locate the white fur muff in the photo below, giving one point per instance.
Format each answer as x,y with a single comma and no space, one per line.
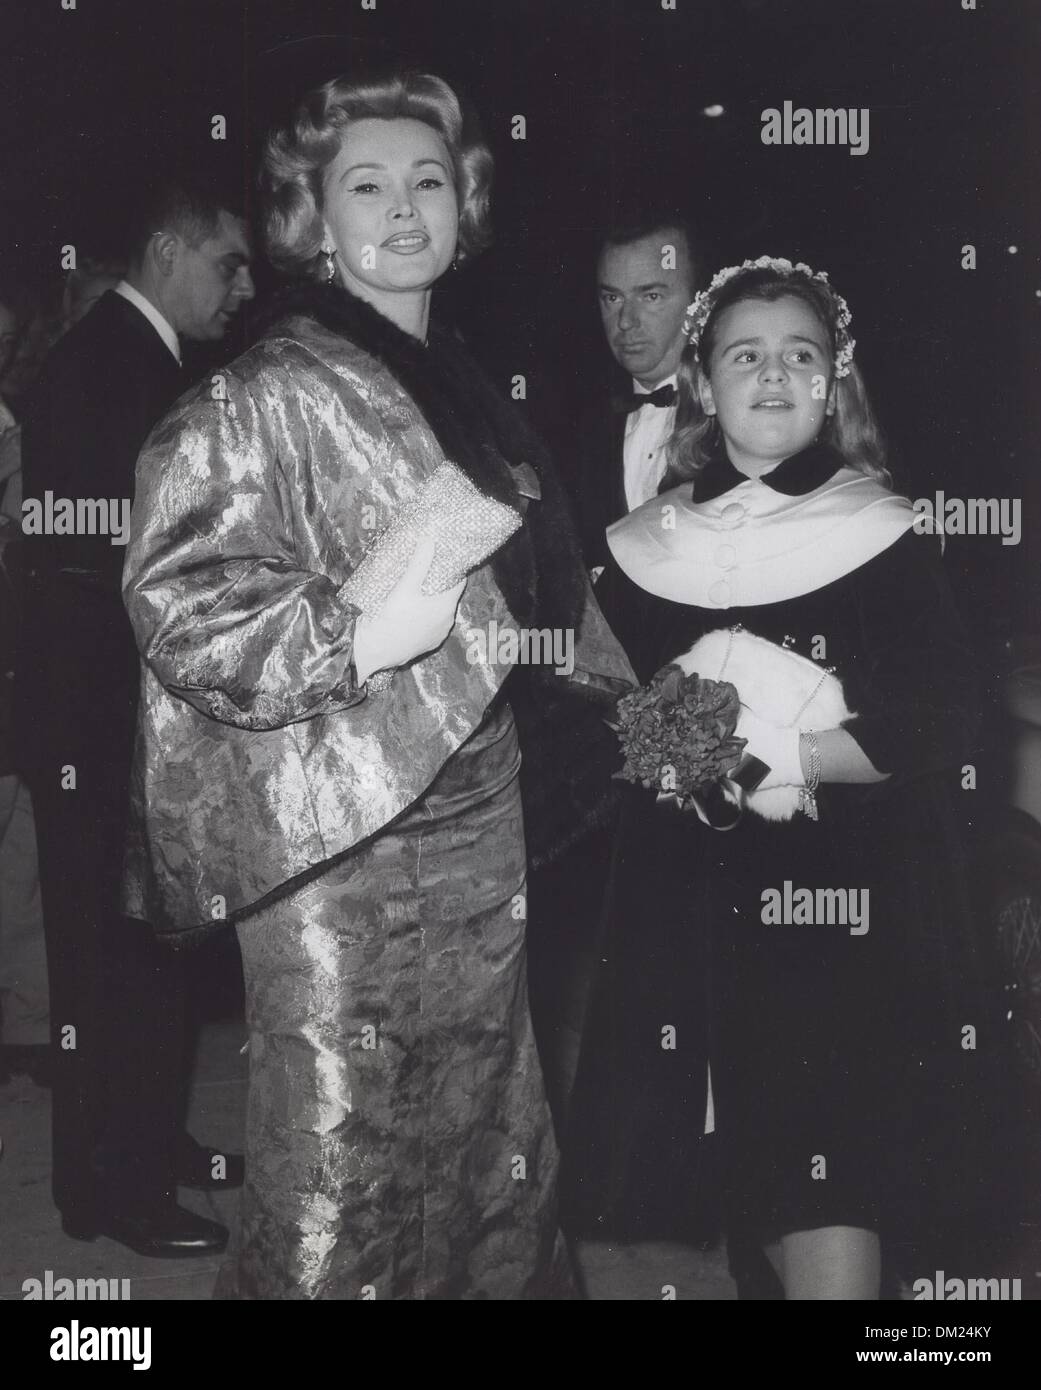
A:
783,689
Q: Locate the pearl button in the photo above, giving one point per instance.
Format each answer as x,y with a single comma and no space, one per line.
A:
719,593
732,514
726,557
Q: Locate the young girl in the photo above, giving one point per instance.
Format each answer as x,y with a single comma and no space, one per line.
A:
829,1026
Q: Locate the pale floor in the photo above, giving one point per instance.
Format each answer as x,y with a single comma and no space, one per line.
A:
31,1240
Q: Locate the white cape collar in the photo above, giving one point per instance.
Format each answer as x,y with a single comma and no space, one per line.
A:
754,545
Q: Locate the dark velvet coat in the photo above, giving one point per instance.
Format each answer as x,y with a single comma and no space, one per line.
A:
822,1043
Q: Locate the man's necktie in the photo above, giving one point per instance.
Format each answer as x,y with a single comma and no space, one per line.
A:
664,397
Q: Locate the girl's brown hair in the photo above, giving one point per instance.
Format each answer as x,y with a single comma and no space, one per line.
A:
851,430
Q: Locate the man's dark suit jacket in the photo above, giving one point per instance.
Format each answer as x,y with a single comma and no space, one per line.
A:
101,390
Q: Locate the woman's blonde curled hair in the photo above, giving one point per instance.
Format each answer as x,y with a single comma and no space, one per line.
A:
296,157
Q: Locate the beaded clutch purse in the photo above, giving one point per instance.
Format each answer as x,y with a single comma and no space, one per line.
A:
466,525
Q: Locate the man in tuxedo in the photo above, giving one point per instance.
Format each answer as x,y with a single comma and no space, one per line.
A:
118,1009
647,274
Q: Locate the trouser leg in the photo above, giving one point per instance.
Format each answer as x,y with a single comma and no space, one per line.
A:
24,996
145,1050
117,1015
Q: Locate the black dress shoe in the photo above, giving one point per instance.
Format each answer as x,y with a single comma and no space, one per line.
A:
209,1170
165,1231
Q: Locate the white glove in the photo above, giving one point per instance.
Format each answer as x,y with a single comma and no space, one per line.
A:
777,747
409,623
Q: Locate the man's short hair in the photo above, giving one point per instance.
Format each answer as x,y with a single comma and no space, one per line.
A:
187,203
657,222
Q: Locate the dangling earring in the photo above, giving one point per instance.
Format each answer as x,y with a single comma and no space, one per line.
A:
330,264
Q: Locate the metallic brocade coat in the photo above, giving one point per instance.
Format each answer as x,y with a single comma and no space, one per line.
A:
257,757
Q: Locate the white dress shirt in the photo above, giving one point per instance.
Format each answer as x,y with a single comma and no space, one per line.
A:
154,317
643,455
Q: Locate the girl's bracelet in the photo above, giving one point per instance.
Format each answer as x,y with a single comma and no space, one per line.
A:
808,793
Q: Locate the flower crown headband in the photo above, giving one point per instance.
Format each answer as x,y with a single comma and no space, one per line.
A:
704,301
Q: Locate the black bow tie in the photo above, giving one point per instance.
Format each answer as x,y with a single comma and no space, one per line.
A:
664,397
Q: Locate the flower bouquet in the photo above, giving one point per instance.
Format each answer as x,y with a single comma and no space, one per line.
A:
677,734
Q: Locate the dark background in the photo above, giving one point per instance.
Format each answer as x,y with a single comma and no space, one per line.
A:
614,93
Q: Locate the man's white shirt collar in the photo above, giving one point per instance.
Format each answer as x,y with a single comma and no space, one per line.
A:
154,317
648,390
